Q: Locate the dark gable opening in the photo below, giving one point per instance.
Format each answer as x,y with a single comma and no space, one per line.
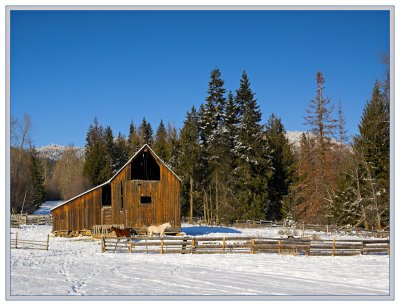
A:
145,167
106,195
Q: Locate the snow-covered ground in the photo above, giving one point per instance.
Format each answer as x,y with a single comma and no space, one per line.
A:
46,206
76,266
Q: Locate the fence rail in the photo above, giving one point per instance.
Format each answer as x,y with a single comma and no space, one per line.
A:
21,219
17,243
250,245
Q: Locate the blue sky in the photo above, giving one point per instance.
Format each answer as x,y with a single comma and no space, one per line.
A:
69,66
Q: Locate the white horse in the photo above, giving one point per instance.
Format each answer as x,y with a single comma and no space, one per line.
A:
160,229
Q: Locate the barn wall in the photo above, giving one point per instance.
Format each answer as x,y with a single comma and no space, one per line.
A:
80,213
164,207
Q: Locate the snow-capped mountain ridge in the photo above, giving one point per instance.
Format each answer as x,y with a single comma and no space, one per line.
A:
55,152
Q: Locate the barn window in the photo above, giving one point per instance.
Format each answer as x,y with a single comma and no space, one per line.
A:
145,200
145,167
122,195
106,195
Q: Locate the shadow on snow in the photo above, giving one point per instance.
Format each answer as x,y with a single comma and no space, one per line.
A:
203,230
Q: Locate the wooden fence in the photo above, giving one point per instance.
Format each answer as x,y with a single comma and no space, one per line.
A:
18,243
250,245
18,219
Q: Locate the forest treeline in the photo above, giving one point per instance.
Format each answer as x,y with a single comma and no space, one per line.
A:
232,165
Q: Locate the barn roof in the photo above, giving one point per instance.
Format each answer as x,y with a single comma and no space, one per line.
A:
109,181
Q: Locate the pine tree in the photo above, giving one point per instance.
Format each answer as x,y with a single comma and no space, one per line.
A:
96,155
146,132
188,156
373,145
282,163
319,191
37,181
134,139
160,143
121,152
110,167
212,137
254,164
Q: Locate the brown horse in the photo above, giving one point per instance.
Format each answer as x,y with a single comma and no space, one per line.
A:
126,232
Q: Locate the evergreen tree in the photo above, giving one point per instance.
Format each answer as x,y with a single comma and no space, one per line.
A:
96,155
134,140
37,181
373,145
211,120
254,163
160,143
282,163
121,152
188,155
110,167
146,132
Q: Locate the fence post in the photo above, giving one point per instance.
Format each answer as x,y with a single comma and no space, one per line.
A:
16,240
333,246
309,247
47,243
223,245
252,246
130,246
362,247
279,247
103,244
162,246
193,244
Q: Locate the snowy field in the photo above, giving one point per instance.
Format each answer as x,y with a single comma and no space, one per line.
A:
76,266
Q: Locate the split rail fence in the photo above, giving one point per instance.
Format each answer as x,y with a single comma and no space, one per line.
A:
17,243
18,219
250,245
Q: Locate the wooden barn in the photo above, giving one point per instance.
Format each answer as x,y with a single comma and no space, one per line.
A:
145,191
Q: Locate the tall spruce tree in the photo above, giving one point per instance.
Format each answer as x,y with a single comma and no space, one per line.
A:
96,155
283,164
373,145
254,163
37,181
212,136
160,143
146,132
188,155
121,152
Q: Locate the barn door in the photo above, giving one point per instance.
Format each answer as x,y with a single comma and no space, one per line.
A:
106,216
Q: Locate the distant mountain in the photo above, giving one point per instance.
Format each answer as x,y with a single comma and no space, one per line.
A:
294,138
54,152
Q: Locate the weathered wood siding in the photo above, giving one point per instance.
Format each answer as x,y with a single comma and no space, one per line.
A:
87,210
164,206
79,214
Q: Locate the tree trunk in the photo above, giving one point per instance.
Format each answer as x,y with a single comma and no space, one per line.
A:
216,200
191,201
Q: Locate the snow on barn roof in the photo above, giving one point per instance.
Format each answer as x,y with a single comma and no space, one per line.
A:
109,181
